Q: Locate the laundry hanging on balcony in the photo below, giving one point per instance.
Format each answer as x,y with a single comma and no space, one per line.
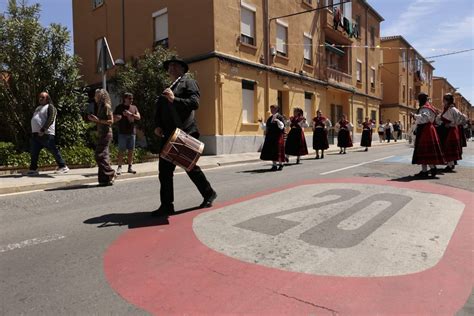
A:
332,48
347,26
355,30
337,18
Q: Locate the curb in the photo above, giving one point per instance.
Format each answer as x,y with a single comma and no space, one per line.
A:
77,182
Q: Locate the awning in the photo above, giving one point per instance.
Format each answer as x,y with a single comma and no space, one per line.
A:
334,49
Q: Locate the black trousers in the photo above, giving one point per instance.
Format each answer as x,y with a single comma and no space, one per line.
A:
165,174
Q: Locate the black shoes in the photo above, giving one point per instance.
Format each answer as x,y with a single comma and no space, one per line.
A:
322,156
280,167
366,149
422,174
449,169
274,168
317,157
163,210
433,172
209,200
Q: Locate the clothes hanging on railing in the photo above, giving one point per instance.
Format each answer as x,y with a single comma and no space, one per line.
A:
337,18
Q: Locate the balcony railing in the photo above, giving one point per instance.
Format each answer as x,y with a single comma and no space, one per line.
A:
338,76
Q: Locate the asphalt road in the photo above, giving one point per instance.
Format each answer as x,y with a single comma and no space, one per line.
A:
53,243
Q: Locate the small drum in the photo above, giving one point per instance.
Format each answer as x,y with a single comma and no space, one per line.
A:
182,150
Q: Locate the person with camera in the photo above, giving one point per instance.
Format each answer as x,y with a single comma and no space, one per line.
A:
104,120
175,109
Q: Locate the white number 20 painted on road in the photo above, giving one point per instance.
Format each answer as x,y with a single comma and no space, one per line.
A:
328,234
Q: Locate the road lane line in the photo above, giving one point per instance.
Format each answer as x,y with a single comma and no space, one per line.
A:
354,166
31,242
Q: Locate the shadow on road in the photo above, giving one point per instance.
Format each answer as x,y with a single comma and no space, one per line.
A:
73,187
412,178
134,220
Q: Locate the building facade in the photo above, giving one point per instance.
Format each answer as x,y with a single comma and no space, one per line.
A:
405,74
247,55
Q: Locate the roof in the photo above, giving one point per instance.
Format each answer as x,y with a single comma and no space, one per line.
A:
401,38
371,9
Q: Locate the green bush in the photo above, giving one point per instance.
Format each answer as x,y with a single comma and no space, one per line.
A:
74,155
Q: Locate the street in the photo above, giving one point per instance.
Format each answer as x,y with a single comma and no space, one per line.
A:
350,234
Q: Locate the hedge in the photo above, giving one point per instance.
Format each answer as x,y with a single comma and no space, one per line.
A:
74,155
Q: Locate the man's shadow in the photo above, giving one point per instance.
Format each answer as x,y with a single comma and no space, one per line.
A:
134,220
412,178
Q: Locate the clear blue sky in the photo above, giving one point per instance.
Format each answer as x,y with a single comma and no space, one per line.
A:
433,27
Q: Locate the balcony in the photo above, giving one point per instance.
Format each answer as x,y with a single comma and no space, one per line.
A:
337,35
337,76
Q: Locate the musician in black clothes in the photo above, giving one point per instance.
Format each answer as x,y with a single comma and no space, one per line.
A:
175,108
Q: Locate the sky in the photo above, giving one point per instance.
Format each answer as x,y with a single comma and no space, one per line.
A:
433,27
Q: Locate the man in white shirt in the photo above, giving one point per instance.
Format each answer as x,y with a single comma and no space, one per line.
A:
43,128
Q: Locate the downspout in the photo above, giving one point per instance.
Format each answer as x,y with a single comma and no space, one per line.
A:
266,40
366,60
123,30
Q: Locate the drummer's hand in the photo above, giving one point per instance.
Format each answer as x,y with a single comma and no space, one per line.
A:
168,93
158,132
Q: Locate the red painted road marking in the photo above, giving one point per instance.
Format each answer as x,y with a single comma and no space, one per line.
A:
166,270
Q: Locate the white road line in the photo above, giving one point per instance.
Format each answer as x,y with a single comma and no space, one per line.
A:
354,166
31,242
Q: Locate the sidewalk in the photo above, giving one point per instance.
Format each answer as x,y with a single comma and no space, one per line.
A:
18,182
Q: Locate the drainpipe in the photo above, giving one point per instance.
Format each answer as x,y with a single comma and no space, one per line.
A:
123,30
366,59
266,40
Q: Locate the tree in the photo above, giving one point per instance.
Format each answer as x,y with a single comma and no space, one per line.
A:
34,58
146,79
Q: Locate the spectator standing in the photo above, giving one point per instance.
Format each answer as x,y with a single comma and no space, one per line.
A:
381,132
43,128
104,120
388,131
126,114
396,131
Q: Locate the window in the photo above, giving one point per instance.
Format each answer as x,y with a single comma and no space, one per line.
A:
360,115
97,3
247,24
98,45
373,115
372,77
372,36
160,20
308,106
308,49
404,58
357,26
403,93
359,71
411,94
282,38
248,100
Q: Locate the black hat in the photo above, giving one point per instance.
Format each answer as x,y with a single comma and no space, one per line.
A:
175,59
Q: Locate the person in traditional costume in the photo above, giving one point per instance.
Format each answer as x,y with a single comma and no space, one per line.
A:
274,145
450,138
344,139
296,142
367,130
427,148
320,134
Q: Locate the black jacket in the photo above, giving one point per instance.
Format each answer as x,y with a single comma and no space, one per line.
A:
180,113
